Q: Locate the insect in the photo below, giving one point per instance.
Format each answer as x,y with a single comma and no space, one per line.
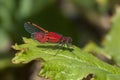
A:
40,34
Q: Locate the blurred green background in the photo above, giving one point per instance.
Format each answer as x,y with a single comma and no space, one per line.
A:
82,20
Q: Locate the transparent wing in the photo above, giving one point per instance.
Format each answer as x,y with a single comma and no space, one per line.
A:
30,28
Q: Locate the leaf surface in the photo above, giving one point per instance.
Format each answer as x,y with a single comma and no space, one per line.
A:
60,63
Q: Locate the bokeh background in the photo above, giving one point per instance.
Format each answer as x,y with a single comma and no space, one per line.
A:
82,20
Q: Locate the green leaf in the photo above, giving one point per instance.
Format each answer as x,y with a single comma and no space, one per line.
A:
112,41
99,52
59,63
